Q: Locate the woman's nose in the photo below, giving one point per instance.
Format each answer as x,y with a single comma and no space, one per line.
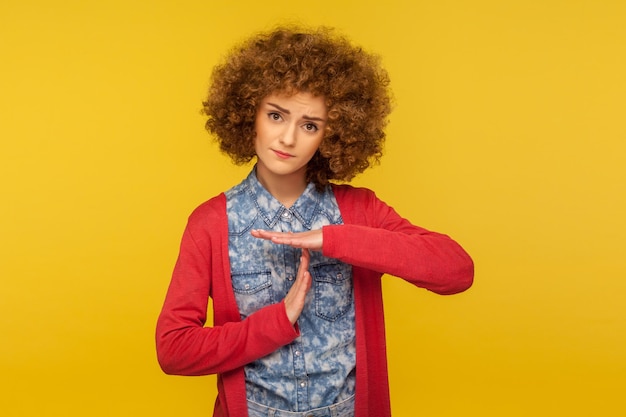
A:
288,138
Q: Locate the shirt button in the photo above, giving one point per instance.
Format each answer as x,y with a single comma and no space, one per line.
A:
247,286
339,275
303,384
286,215
290,278
297,352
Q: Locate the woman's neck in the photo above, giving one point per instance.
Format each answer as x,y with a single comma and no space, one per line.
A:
284,188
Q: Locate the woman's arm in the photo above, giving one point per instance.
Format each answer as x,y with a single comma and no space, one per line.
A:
184,345
379,239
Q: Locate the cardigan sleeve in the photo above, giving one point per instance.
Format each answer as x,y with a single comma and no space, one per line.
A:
185,346
381,240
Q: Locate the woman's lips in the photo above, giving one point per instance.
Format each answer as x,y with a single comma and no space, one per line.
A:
282,155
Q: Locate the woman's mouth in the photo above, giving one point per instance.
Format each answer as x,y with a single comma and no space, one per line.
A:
282,155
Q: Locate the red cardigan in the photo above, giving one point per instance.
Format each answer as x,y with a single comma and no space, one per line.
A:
374,239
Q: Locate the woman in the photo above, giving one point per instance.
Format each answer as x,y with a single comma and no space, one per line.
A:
291,260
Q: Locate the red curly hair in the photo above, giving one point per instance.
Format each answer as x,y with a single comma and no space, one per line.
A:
289,60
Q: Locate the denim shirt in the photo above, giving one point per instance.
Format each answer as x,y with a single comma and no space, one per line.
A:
318,368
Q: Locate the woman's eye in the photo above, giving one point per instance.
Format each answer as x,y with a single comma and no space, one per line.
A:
310,127
274,116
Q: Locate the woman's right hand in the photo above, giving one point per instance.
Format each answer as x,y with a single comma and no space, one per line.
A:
295,298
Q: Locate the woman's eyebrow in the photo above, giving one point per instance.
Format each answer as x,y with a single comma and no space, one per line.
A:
318,119
279,108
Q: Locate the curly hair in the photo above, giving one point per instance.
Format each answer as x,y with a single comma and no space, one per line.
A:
318,61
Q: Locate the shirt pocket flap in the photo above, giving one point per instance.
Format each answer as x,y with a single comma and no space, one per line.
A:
252,282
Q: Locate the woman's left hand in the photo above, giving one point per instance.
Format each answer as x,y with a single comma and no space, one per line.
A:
312,239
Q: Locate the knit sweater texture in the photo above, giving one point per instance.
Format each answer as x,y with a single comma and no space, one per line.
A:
374,239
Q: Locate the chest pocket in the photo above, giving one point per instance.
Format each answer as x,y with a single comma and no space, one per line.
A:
253,291
333,290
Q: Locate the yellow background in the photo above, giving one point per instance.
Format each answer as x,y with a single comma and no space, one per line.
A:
508,134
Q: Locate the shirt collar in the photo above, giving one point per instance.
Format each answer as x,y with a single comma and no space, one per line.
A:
271,209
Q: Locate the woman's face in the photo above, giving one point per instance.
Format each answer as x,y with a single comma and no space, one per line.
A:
289,130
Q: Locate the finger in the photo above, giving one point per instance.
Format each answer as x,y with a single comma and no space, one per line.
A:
312,239
296,297
304,276
296,240
281,238
305,259
303,269
286,239
262,234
